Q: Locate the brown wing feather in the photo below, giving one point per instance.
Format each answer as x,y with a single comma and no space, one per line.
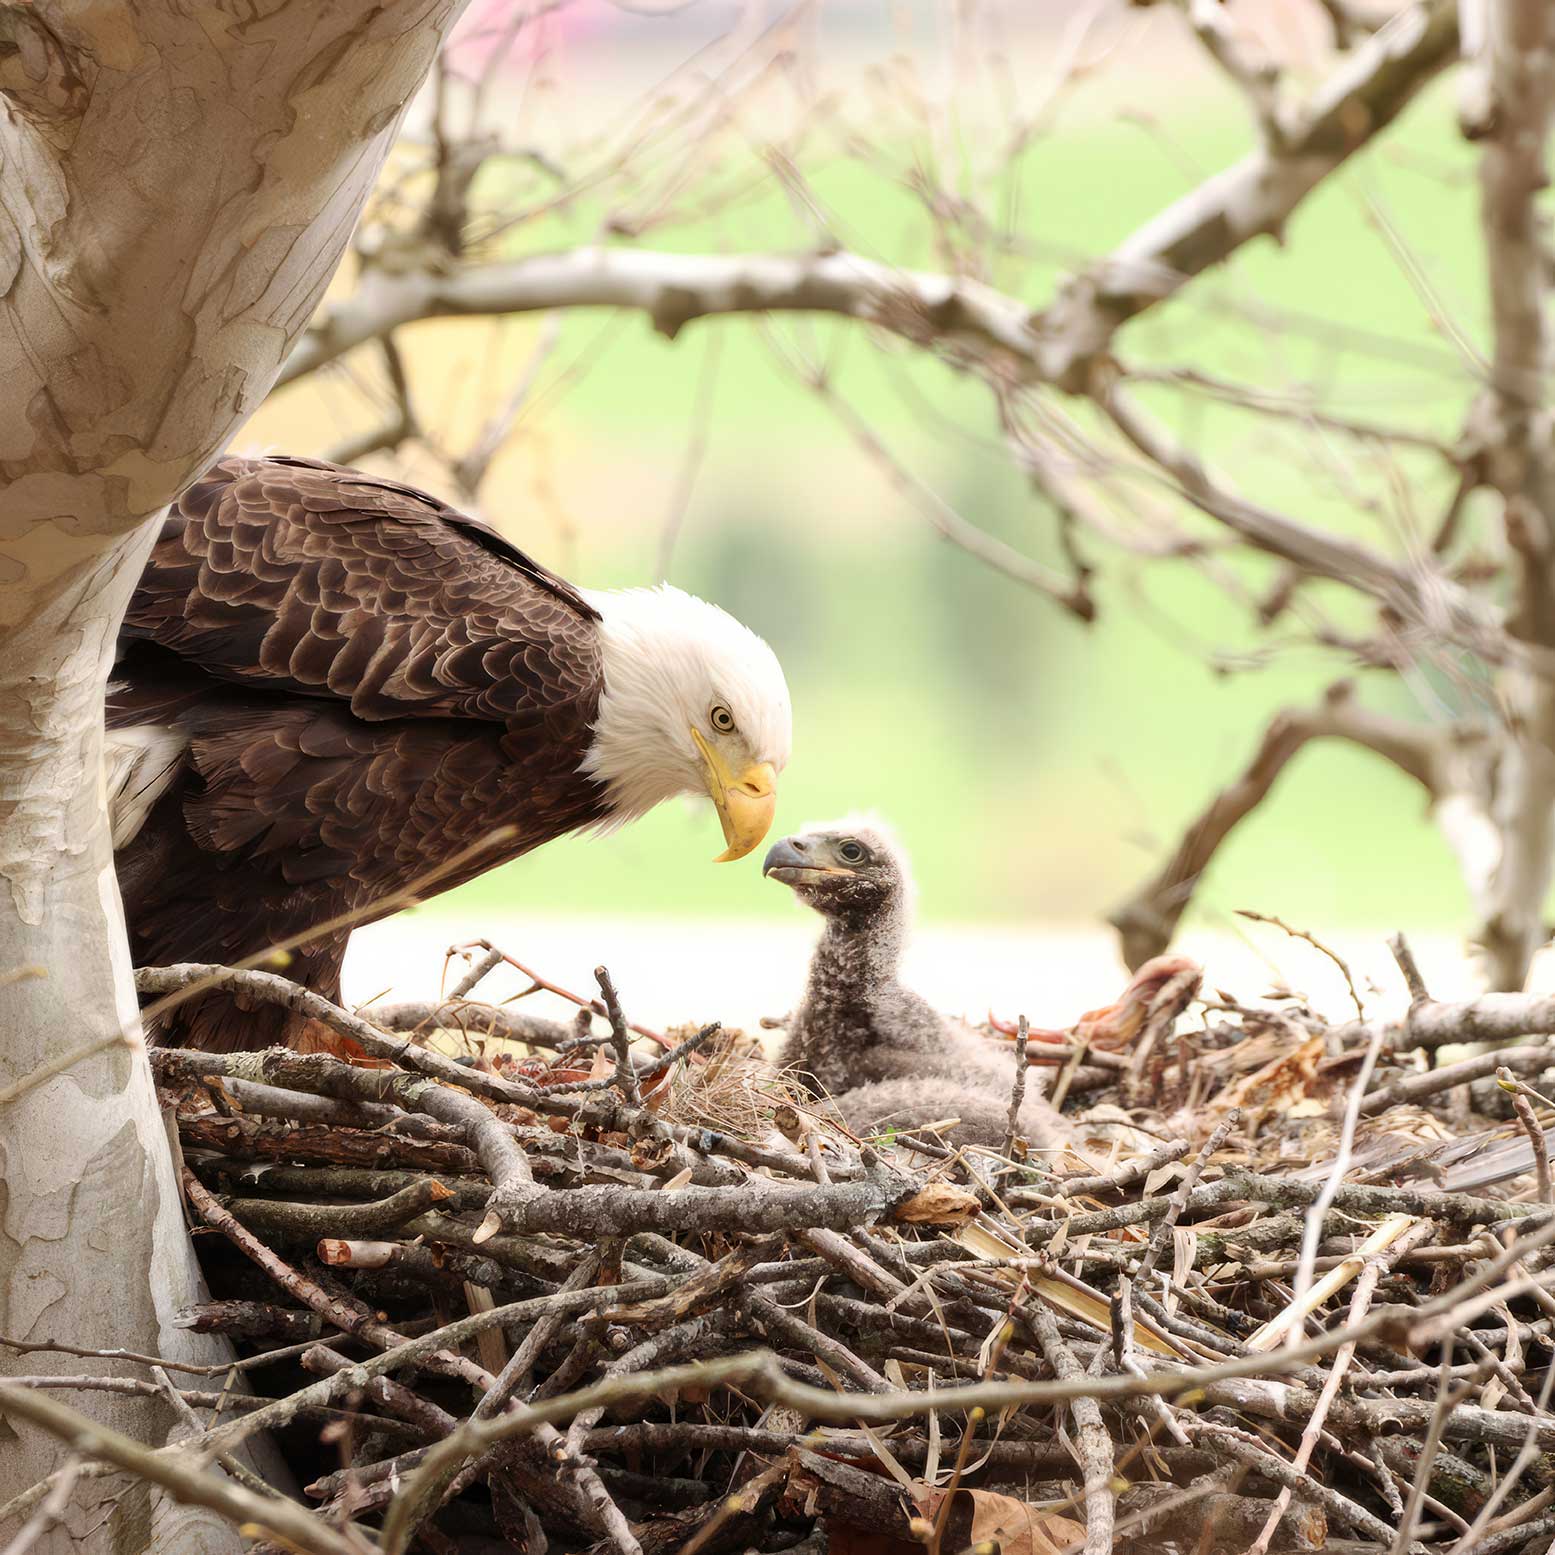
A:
367,682
294,575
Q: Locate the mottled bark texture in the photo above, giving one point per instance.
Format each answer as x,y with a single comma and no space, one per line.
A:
177,183
1517,63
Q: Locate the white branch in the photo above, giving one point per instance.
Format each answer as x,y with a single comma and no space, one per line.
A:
1257,194
973,325
1256,79
674,289
1253,197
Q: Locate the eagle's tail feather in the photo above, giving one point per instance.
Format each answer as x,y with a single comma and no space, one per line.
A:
140,763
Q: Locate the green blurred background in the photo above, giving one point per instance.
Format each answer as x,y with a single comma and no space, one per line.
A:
1037,767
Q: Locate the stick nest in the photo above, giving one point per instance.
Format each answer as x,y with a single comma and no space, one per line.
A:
1271,1284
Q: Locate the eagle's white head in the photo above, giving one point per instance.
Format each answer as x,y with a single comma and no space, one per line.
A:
693,702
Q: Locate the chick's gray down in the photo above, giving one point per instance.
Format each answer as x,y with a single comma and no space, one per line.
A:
884,1055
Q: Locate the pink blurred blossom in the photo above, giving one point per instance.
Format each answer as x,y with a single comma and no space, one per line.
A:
525,29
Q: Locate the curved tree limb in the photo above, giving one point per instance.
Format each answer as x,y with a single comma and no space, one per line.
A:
1255,196
1148,919
674,290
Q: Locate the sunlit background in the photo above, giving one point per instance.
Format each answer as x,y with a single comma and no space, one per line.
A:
1037,767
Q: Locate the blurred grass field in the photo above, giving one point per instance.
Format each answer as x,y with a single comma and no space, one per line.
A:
1036,767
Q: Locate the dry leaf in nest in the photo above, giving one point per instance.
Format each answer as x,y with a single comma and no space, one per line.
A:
317,1037
1255,1050
976,1517
938,1204
1018,1527
1275,1087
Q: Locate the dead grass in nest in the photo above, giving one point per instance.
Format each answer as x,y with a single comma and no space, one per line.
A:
734,1090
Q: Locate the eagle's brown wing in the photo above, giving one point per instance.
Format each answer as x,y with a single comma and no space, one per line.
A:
335,683
297,576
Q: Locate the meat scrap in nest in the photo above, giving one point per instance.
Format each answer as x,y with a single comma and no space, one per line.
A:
1157,993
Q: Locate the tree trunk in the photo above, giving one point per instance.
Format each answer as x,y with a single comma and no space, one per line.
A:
1514,61
177,183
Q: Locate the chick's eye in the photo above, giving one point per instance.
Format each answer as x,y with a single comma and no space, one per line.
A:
722,719
851,852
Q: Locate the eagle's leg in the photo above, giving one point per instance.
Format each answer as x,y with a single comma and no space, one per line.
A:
235,1023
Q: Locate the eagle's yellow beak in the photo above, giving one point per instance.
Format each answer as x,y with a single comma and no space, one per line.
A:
745,802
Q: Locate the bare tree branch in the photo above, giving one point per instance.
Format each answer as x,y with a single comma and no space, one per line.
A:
673,290
1257,79
1434,601
1148,919
1254,196
975,325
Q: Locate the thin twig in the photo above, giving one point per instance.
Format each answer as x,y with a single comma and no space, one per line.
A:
1316,944
1532,1128
1018,1091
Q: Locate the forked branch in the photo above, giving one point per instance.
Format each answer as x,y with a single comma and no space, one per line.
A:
1148,919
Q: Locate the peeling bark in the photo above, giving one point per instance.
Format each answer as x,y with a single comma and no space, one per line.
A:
141,319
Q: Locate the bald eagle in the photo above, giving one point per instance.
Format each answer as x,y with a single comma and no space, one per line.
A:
328,684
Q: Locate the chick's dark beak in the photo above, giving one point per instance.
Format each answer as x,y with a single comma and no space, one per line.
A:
802,860
784,858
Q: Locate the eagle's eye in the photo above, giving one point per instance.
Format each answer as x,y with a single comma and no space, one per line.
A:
721,719
851,852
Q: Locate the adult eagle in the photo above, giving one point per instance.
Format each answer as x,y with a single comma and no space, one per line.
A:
329,684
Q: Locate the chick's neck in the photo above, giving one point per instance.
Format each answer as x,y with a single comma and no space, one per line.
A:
858,952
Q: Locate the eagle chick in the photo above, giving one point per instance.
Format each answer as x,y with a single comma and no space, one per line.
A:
883,1054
